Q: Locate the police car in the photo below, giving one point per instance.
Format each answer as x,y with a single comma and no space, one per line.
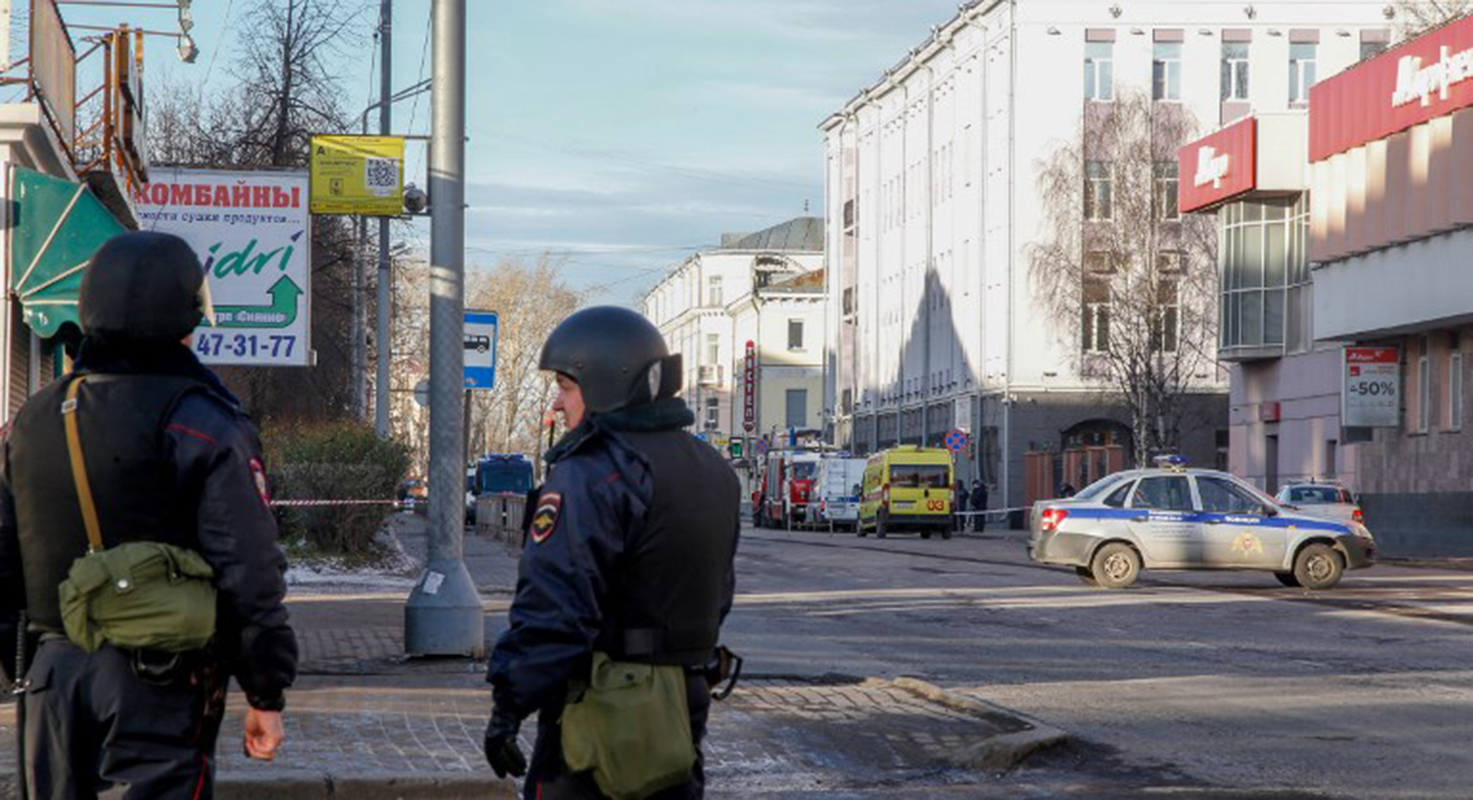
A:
1173,517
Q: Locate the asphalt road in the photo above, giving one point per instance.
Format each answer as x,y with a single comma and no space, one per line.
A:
1200,684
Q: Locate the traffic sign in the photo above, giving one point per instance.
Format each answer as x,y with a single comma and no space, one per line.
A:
760,446
480,349
956,441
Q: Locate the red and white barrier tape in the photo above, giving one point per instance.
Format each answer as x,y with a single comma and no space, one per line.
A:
333,502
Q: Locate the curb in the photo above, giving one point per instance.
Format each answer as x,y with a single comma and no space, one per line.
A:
998,753
471,786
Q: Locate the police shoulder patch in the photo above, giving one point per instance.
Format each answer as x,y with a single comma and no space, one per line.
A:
544,518
258,475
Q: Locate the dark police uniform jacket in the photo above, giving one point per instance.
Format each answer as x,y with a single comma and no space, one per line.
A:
629,551
169,460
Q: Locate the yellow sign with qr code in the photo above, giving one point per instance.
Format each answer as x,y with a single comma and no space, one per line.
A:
357,175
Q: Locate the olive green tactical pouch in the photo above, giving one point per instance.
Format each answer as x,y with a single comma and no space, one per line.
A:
630,725
140,595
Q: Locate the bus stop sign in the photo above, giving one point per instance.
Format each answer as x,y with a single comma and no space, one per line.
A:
480,349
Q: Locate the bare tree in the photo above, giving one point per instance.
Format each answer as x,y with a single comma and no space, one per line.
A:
282,91
1131,282
1416,17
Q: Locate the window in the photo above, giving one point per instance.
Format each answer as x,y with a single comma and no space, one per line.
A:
1095,335
1166,71
713,349
1117,497
1453,377
713,290
1263,258
1099,71
1301,71
918,476
1220,496
1166,493
713,413
1166,205
1234,71
1371,49
1098,196
795,334
1168,311
797,416
1424,383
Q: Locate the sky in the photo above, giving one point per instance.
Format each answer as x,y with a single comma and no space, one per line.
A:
621,134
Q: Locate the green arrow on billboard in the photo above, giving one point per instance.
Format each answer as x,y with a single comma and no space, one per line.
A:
279,314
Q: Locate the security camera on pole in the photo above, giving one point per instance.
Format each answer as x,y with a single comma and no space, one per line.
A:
443,615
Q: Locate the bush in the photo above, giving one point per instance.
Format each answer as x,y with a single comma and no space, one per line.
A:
342,460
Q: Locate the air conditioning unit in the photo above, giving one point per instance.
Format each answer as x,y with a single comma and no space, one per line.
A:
710,375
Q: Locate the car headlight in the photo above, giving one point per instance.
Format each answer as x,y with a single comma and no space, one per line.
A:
1362,531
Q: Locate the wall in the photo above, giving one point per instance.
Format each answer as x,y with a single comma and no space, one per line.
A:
1307,389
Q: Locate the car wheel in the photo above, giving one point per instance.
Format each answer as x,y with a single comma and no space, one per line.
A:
1116,565
881,524
1085,576
1288,579
1318,566
946,533
925,534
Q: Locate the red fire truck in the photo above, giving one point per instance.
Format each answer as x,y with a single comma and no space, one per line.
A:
784,494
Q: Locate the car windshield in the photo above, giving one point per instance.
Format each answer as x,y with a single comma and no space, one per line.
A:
804,470
516,479
919,476
1309,495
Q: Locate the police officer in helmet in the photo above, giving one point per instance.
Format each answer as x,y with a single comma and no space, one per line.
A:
171,459
629,551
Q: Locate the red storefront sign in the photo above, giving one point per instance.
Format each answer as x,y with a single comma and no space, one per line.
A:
1217,167
1428,77
749,388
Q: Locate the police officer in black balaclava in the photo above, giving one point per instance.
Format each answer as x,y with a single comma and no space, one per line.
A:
629,549
171,458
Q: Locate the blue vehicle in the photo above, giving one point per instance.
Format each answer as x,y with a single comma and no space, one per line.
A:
503,473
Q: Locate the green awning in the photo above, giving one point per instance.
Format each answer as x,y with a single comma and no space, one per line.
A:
56,226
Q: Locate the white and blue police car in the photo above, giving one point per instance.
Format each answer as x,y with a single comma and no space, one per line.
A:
1172,517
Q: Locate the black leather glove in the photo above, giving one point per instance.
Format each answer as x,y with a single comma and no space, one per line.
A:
502,751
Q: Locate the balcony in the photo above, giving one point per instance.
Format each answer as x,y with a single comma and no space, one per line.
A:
709,375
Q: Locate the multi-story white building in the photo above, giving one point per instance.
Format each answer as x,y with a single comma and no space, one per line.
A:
933,206
765,288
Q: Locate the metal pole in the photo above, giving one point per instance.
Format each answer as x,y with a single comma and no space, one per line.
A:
443,615
382,335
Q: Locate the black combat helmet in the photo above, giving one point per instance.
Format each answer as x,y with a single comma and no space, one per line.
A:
142,287
618,358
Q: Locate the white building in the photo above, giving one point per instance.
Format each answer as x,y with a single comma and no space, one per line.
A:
765,288
932,203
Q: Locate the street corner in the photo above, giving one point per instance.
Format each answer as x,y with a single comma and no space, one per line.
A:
1009,737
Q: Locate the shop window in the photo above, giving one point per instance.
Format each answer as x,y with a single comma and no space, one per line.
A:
1234,71
1262,262
1098,191
1421,405
1166,71
1166,185
1099,71
1302,68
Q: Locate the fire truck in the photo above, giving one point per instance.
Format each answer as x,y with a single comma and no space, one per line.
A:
784,495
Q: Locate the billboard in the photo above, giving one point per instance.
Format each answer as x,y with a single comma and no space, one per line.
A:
251,231
358,175
749,388
1371,397
1217,167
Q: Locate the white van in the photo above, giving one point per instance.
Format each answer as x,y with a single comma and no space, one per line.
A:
837,490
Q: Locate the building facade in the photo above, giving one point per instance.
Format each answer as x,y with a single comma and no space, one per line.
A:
766,289
934,207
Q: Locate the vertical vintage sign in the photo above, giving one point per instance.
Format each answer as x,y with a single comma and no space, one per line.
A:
749,388
251,232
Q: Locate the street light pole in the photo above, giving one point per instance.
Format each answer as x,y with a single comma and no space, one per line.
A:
443,615
382,335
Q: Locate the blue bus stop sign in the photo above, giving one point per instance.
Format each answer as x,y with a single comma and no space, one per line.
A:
480,349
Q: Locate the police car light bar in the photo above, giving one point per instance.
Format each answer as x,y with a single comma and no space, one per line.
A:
1171,462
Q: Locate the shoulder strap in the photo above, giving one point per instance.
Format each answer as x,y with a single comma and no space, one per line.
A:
79,466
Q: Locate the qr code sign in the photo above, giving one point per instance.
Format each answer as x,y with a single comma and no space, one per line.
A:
381,176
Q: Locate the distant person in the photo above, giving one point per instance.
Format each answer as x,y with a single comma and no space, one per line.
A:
959,506
1067,490
978,503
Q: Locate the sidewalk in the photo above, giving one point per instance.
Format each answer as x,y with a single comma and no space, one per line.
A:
364,722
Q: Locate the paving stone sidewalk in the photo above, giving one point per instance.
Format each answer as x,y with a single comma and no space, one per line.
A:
365,722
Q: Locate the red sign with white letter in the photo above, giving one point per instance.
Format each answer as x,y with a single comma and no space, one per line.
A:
1217,167
1430,76
749,389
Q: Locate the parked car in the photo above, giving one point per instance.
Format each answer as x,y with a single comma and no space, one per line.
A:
413,493
840,478
1178,518
1323,499
907,488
